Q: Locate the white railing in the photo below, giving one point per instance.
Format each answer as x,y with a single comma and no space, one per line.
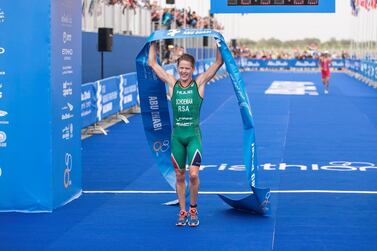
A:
96,14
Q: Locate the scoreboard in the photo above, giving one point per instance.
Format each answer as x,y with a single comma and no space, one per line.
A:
272,6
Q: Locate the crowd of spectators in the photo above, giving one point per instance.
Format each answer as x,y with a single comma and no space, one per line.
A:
172,18
169,18
130,3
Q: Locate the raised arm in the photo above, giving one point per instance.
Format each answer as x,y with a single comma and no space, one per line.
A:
206,76
160,72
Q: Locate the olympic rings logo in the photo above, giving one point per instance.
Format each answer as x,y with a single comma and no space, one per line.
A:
159,146
67,170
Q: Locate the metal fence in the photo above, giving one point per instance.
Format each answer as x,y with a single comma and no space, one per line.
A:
130,21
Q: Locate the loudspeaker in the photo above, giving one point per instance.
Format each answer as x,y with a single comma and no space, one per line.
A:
170,2
205,41
234,43
105,39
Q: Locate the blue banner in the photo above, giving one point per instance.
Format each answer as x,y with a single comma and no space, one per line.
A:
128,91
109,99
88,104
21,187
40,157
156,120
338,63
65,93
286,64
366,69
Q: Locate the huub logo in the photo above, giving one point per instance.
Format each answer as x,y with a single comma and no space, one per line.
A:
2,50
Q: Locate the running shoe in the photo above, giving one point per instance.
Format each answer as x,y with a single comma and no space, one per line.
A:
182,219
193,219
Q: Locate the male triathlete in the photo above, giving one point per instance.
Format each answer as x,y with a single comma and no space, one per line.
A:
186,98
325,62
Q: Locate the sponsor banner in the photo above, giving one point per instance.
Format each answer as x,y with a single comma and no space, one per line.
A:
364,68
108,98
255,63
128,91
338,63
66,99
26,182
277,63
286,64
88,104
50,84
353,65
306,63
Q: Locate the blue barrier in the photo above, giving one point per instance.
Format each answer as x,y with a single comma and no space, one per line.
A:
88,104
129,92
106,97
109,96
364,68
40,75
285,64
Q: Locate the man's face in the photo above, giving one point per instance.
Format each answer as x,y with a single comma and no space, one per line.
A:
185,70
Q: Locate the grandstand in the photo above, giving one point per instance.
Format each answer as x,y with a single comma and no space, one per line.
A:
78,172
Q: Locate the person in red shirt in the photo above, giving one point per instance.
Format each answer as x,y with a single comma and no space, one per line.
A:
324,62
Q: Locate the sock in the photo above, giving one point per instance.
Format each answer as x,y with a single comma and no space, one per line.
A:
193,206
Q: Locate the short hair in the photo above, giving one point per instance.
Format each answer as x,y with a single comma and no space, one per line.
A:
186,57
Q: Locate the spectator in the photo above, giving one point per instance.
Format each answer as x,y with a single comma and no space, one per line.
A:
167,18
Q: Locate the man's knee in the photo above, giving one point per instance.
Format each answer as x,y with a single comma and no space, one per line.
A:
194,177
180,176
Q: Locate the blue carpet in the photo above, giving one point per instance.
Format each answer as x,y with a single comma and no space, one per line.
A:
304,142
